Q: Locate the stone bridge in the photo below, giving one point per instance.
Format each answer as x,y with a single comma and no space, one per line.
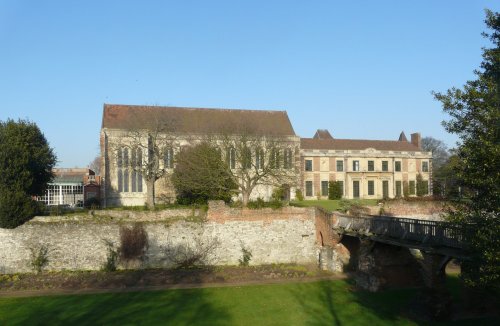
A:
385,251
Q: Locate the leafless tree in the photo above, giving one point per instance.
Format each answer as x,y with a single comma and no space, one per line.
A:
151,149
254,160
95,165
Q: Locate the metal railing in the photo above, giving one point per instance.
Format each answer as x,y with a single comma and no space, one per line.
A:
432,233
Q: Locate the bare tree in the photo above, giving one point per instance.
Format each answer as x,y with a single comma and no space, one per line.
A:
255,160
151,150
439,150
95,165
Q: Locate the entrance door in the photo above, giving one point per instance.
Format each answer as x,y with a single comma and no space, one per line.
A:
286,192
385,188
355,189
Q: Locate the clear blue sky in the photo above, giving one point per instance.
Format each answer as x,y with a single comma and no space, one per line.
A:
362,69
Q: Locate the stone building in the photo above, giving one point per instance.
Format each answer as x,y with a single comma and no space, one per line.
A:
128,133
370,169
367,168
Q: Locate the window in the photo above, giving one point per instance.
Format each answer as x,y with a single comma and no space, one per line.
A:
119,172
371,166
274,159
308,165
397,166
324,188
259,158
125,169
231,158
340,166
425,166
309,188
411,191
425,187
288,158
398,188
385,166
385,189
168,158
355,165
355,189
371,188
246,161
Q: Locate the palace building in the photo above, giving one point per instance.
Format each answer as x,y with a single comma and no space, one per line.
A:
364,168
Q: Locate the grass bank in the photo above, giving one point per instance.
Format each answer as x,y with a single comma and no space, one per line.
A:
333,205
317,303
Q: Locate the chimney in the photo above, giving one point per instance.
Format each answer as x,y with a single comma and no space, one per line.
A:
416,140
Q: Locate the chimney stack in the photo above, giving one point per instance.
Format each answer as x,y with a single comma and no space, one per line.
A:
416,140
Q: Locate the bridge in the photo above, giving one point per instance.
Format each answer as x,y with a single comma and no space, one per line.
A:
436,237
376,249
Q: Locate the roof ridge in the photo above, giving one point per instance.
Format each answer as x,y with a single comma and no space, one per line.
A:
192,108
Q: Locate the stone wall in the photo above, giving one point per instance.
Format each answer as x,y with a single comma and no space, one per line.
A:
276,236
429,210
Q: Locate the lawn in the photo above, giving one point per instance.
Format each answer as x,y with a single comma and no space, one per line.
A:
333,205
317,303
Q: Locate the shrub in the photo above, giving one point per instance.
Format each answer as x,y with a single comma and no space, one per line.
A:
334,190
111,259
92,203
278,194
16,208
192,254
246,256
299,195
39,257
134,242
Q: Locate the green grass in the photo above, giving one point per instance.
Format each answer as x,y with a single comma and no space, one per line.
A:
332,205
318,303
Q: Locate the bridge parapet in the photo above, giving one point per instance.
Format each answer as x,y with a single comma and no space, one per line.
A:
423,232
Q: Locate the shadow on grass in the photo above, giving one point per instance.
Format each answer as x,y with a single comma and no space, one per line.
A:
338,303
173,307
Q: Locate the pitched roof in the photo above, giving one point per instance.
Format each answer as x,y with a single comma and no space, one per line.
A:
197,120
322,134
402,136
357,144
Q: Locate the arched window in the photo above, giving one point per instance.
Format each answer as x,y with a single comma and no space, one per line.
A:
119,172
259,158
168,159
231,158
125,170
246,161
288,158
274,159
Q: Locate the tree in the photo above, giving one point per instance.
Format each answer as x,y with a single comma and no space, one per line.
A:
200,174
439,151
257,160
475,117
26,162
95,165
149,152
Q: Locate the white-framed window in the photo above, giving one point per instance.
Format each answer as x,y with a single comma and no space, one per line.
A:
355,165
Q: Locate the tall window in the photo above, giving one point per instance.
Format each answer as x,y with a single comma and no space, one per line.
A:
119,164
309,188
168,159
274,159
340,166
355,165
371,166
341,187
411,191
259,158
136,167
355,189
288,158
385,166
398,188
397,166
231,158
308,165
324,188
246,160
371,188
125,170
425,166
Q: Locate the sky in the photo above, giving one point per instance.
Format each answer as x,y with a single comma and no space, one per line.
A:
361,69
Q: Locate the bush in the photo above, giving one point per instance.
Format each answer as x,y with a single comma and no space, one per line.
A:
334,190
299,195
16,208
92,203
278,194
246,256
193,254
134,242
39,257
111,259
